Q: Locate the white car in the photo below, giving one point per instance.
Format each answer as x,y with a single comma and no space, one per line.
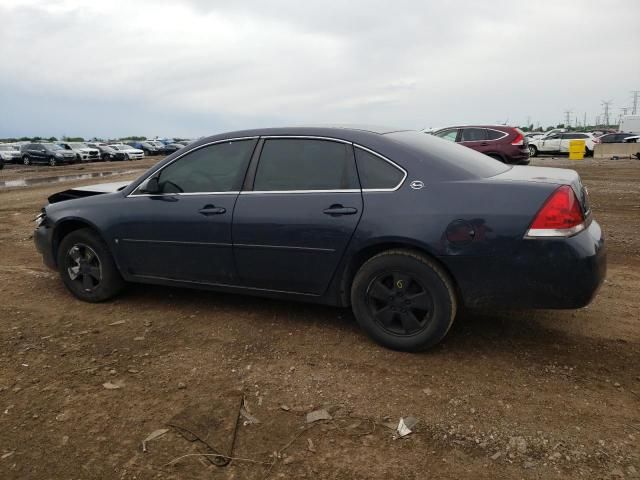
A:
9,153
130,153
558,142
83,151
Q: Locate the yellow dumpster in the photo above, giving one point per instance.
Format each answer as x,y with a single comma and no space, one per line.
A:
576,149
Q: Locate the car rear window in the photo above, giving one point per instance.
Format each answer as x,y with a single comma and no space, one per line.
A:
467,162
495,134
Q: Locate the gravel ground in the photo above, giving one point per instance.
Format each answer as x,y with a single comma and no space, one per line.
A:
509,394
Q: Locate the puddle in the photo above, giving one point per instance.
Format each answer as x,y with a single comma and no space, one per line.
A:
26,182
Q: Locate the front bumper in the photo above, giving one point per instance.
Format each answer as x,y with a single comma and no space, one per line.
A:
554,273
43,239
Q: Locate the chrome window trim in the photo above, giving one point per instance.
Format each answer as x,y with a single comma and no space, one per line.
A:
255,192
132,194
308,137
392,163
504,134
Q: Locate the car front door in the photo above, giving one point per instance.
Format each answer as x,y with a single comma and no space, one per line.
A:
293,224
551,143
177,223
37,153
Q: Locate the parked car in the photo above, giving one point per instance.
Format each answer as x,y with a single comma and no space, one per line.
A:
618,138
9,154
50,153
531,135
148,148
128,151
506,144
169,148
404,227
558,143
107,153
82,151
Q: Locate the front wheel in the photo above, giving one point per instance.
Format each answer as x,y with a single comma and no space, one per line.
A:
403,300
52,162
533,151
87,267
127,157
26,160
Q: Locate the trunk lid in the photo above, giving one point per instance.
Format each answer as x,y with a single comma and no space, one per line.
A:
556,176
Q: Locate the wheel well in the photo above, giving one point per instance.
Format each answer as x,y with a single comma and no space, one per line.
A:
64,229
366,253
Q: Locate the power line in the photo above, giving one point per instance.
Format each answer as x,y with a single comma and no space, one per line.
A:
634,109
606,104
567,118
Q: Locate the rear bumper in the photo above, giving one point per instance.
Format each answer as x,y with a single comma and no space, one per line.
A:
541,273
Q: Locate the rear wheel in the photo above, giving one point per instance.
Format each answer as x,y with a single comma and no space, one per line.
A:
403,300
87,267
587,152
52,162
533,151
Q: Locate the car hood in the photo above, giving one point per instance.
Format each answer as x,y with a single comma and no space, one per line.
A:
87,191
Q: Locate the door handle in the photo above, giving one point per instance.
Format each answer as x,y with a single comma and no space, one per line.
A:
337,210
484,144
212,210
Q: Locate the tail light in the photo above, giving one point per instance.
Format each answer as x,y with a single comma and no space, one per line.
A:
519,140
596,140
560,216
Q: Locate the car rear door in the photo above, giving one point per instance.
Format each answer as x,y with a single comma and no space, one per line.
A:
293,223
476,138
181,230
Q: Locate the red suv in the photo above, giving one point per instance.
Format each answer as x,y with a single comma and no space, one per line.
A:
507,144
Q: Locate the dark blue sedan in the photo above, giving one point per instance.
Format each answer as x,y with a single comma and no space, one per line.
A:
403,226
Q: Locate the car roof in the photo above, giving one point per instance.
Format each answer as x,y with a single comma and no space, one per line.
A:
344,132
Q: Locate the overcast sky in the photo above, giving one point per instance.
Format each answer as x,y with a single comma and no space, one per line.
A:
194,67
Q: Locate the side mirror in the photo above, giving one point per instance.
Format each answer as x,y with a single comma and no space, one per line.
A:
151,186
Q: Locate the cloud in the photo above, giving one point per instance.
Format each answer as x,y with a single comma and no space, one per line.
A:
186,67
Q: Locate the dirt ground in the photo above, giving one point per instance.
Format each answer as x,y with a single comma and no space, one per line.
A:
531,395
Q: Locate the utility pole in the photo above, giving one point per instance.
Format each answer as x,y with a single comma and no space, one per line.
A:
584,121
635,94
606,104
567,118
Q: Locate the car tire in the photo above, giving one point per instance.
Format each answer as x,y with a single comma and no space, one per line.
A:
26,160
403,300
533,151
1,163
87,268
127,157
587,152
52,162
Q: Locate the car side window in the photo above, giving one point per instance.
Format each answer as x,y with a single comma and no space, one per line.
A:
450,134
473,134
215,168
375,172
494,134
305,164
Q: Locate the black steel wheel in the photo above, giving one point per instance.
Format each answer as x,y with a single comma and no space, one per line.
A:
87,267
404,300
399,303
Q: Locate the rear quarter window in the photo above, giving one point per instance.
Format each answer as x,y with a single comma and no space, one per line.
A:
377,173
